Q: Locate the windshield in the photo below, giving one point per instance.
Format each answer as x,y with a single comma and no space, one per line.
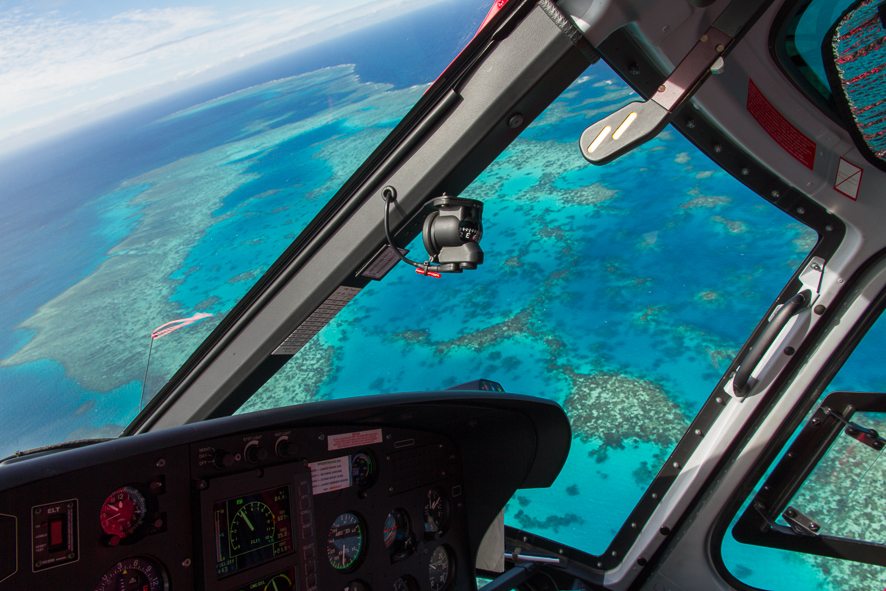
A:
157,159
587,296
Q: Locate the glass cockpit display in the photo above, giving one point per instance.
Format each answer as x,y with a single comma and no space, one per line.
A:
252,529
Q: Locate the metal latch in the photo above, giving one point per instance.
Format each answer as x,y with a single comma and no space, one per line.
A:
867,436
811,277
800,523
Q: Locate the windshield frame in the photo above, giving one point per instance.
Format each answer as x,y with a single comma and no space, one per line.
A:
623,53
438,98
865,292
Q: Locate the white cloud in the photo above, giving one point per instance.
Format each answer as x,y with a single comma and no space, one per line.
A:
57,72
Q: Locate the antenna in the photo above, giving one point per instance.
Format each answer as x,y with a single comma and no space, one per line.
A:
162,331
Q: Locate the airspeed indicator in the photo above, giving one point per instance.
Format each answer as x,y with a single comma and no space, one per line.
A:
345,542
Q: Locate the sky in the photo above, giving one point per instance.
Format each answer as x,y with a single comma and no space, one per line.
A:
66,63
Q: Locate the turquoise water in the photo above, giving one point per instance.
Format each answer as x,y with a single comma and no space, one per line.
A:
620,292
586,297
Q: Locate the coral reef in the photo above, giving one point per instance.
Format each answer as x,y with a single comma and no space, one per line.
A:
613,408
295,383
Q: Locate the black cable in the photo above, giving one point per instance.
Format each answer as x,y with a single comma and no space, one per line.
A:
390,195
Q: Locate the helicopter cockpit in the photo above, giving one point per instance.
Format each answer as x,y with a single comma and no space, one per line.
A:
597,308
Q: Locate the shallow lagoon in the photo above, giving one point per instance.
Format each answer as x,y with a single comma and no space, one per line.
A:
586,296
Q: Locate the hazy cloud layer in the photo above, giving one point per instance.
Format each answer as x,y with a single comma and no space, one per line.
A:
58,69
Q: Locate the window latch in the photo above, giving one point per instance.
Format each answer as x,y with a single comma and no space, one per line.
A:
801,524
867,436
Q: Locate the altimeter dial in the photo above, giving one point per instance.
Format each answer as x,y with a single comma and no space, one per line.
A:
134,574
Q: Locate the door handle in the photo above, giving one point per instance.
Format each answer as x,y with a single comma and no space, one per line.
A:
741,383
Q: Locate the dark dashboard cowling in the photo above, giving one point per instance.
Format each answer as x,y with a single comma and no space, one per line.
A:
377,493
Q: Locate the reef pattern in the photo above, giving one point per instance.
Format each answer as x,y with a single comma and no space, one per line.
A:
620,292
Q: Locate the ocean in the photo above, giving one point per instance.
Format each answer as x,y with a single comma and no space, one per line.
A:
620,292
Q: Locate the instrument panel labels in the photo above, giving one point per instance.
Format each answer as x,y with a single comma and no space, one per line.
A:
330,475
355,439
54,534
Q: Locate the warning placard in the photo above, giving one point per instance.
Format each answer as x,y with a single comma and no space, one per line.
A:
848,179
354,439
779,128
330,475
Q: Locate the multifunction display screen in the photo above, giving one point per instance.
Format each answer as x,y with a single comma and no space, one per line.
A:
252,529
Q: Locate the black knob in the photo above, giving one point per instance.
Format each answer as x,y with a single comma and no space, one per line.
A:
254,453
284,448
223,459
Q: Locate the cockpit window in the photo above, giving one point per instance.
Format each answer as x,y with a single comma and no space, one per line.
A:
215,133
804,33
585,298
841,494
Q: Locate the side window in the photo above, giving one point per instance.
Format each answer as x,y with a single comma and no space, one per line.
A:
841,498
586,297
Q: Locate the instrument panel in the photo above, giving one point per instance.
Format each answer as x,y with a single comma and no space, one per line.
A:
330,508
234,505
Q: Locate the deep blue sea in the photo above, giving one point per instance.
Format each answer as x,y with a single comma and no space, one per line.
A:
621,292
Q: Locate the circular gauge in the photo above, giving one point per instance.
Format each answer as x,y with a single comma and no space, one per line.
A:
398,534
356,586
405,583
440,568
392,527
279,582
134,574
362,470
345,542
253,526
436,512
122,512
